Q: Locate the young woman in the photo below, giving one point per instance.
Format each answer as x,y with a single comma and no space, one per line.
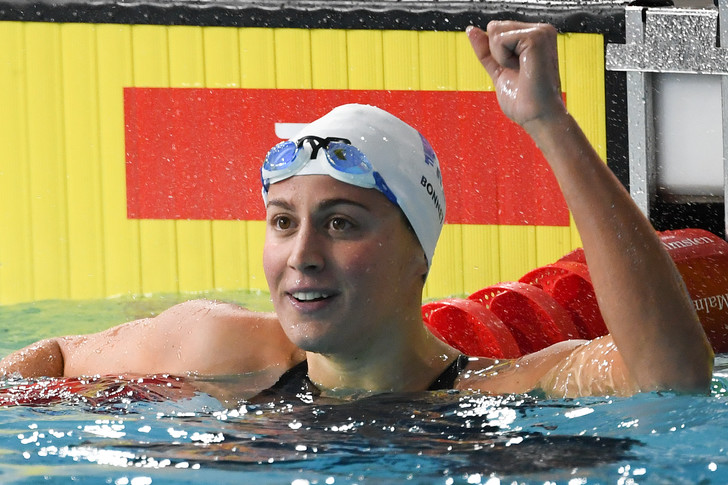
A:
354,209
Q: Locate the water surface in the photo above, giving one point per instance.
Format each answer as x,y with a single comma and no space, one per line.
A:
158,431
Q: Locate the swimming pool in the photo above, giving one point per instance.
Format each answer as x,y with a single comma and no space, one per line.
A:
126,432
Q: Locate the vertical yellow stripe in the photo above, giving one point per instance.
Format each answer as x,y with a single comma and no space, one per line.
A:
517,251
365,59
257,70
222,57
194,238
438,61
257,58
584,68
229,238
553,242
85,229
121,235
481,264
158,241
438,72
329,59
46,162
186,63
16,275
293,59
401,59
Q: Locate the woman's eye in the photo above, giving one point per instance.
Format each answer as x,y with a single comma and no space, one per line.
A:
282,223
339,224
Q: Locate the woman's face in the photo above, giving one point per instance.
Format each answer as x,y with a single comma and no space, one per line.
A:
341,264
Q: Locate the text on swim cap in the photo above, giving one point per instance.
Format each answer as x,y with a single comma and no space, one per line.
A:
433,195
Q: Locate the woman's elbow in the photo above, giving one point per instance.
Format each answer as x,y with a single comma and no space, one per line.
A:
41,359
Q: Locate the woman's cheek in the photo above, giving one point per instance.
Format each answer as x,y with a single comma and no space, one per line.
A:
272,259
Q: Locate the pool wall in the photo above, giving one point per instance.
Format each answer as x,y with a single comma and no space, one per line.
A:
131,136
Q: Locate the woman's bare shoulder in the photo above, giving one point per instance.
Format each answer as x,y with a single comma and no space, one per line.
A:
195,337
225,338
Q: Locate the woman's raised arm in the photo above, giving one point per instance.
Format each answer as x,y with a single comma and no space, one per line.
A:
641,295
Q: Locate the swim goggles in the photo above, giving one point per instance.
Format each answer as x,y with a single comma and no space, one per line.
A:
346,163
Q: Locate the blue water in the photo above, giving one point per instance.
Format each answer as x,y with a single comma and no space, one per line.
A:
104,436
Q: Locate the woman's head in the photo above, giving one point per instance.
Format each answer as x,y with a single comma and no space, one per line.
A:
345,268
345,273
368,147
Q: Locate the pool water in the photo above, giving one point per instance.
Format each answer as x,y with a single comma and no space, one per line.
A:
130,432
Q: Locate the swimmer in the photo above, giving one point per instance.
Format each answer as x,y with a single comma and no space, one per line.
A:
350,235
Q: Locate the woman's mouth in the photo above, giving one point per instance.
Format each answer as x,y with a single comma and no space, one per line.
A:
307,296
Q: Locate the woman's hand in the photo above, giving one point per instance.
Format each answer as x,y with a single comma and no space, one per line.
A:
523,63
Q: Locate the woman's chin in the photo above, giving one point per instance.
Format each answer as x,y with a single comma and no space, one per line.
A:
312,335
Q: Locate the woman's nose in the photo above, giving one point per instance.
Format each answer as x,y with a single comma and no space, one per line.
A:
306,251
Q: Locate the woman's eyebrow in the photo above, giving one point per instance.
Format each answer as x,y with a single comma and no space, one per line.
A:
330,203
280,203
323,205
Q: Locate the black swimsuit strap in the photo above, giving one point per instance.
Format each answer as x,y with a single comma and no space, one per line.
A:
446,380
295,382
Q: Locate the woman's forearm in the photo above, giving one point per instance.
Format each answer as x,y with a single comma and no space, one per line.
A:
640,292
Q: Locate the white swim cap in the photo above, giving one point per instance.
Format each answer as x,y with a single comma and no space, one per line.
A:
398,153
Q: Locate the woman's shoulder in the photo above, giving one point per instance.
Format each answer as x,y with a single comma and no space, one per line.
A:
225,338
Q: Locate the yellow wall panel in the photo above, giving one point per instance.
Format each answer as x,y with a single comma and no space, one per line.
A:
256,238
83,177
438,60
120,234
293,59
48,220
16,258
517,251
481,262
329,59
553,243
257,58
222,57
584,67
365,59
401,56
158,239
471,76
230,254
186,57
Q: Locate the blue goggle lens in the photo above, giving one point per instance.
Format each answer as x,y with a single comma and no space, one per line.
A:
348,159
280,156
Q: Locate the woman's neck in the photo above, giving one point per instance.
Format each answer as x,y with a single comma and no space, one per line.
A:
408,362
